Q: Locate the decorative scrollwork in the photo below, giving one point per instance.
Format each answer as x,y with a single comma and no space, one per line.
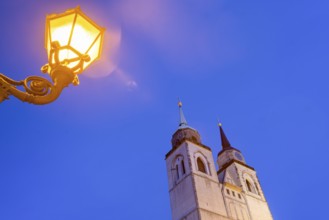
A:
6,79
38,90
33,85
54,58
36,85
4,94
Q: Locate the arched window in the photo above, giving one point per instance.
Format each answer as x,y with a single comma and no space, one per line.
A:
183,167
178,168
249,186
257,190
201,166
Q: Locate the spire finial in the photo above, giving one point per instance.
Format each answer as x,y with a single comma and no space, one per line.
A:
182,120
225,142
219,123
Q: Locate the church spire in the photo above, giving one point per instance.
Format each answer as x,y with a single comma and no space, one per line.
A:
225,142
184,131
182,120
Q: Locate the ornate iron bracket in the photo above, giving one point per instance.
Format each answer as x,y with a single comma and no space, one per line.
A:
39,90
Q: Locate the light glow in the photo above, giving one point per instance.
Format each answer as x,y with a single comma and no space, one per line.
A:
77,35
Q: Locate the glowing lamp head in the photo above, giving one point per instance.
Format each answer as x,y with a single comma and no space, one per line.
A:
73,40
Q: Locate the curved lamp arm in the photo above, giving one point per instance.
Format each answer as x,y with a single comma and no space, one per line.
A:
66,59
38,90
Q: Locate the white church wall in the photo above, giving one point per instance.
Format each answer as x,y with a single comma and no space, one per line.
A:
207,186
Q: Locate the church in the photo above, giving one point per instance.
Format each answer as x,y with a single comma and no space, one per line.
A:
199,192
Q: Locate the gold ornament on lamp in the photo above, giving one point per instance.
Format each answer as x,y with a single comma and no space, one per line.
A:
73,42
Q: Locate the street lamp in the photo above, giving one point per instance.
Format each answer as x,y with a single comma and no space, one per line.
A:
73,42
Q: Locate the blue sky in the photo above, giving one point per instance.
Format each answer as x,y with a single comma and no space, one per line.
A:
98,151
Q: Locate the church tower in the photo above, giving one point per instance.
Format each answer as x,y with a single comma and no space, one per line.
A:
195,192
198,192
243,195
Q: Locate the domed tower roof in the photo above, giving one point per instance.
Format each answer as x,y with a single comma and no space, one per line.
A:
184,131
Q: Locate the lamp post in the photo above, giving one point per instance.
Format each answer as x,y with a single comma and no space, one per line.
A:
73,42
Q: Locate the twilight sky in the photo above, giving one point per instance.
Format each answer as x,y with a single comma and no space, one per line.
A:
98,151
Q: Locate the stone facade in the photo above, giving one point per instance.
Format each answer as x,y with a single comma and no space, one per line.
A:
199,192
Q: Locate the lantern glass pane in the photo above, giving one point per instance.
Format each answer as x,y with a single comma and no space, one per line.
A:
48,43
68,54
94,52
84,34
60,29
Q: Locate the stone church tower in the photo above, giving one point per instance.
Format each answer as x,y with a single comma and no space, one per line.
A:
199,192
